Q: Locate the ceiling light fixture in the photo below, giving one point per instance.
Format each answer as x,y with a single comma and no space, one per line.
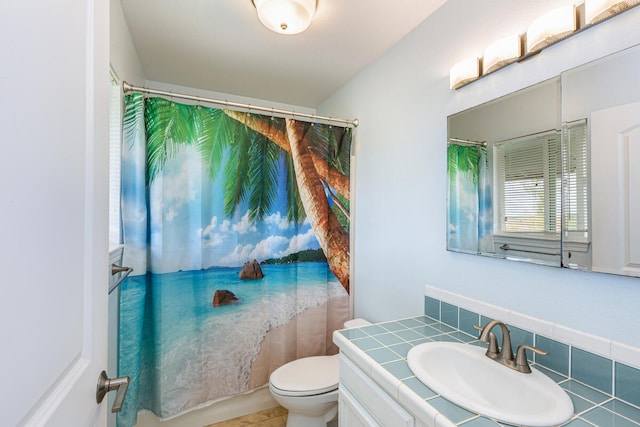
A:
285,16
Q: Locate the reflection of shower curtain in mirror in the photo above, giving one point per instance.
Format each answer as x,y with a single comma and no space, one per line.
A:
205,193
469,209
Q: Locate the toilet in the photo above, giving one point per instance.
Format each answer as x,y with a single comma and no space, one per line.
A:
308,387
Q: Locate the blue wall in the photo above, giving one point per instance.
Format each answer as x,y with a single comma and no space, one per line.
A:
402,101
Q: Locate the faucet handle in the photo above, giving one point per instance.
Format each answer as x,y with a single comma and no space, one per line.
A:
522,364
492,350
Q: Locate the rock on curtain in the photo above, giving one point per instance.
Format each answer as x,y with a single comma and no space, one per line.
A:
209,194
469,210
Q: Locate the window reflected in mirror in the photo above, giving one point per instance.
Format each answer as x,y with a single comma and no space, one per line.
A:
528,203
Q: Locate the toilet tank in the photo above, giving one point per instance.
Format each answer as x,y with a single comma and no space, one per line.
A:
356,323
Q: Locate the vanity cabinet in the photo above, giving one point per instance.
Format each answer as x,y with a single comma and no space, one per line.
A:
362,403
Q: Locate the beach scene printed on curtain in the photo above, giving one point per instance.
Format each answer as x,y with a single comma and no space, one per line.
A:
237,226
469,205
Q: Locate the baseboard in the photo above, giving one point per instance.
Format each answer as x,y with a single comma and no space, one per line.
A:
237,406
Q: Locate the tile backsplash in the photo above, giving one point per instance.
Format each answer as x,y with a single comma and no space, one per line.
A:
608,366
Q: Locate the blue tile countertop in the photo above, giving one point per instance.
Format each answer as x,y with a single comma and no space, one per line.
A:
380,350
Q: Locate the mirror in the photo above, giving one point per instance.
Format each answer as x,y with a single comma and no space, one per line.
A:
547,174
501,195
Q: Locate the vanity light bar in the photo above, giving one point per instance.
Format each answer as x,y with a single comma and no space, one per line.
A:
543,32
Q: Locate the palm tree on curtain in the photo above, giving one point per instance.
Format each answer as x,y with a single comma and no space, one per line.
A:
316,162
462,159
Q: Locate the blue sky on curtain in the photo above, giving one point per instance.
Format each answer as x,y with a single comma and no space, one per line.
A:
206,191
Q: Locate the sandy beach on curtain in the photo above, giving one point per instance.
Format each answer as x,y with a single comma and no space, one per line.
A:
309,328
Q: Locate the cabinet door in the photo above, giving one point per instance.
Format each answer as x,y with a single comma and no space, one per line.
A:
373,400
351,413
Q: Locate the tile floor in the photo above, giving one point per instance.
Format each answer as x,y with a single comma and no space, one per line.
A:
275,417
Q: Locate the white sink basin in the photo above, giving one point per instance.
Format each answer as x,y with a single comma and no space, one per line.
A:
463,374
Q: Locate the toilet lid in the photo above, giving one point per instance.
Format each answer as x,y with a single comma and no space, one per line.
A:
306,376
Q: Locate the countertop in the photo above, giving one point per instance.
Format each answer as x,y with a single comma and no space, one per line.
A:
380,350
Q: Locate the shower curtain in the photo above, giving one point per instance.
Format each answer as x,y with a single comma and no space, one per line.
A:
469,209
237,227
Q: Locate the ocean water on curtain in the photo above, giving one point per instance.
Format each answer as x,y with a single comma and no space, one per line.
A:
203,352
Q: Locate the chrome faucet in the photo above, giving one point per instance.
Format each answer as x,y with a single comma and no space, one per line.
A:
505,355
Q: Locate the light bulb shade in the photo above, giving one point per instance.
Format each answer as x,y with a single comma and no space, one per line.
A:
464,72
551,27
599,10
285,16
501,53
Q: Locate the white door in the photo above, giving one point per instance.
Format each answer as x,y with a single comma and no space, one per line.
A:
615,183
54,81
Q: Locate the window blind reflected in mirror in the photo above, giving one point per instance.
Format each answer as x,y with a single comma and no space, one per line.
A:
529,173
576,175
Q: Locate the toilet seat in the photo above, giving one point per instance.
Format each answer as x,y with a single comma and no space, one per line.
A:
306,377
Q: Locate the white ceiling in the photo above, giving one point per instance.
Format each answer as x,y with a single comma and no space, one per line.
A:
221,46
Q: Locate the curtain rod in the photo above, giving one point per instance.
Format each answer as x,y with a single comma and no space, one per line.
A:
126,87
465,141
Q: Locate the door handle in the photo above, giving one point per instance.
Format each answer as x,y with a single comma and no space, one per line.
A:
115,269
106,384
